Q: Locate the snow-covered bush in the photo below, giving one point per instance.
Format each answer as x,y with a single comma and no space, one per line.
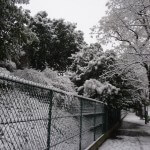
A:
5,71
32,75
95,76
50,78
94,88
100,63
46,77
60,82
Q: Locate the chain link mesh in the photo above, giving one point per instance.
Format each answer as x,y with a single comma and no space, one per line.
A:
35,117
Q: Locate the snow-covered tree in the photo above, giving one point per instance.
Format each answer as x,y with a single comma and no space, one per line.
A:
13,31
57,41
128,24
91,63
36,52
86,54
97,75
66,41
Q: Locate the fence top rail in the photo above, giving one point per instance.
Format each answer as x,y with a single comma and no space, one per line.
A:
46,87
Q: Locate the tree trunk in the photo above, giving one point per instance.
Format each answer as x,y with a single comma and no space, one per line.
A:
147,67
148,76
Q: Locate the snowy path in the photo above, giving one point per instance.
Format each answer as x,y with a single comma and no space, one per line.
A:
132,135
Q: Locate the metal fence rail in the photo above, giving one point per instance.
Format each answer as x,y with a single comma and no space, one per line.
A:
37,117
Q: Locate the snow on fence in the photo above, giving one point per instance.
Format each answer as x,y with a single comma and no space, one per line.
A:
37,117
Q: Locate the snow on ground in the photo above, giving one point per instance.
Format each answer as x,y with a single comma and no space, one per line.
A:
132,135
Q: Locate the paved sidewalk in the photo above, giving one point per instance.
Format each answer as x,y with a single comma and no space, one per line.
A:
132,135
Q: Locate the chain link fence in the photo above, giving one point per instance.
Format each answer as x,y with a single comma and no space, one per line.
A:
37,117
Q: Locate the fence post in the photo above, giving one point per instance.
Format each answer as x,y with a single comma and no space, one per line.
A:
49,121
105,119
81,109
94,121
119,114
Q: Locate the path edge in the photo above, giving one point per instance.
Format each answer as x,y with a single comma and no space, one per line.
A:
96,144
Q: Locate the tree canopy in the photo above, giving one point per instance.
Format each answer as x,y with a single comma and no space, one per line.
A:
13,31
127,23
57,40
116,77
38,41
95,77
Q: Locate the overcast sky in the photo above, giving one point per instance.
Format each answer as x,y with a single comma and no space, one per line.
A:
86,13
